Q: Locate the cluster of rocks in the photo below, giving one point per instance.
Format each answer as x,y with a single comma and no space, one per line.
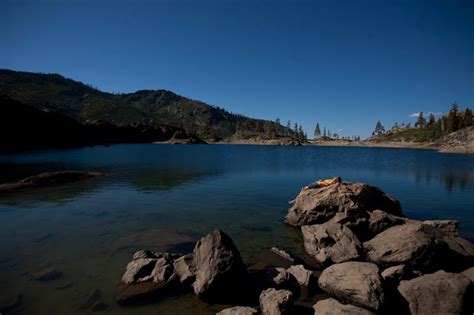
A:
376,260
214,270
373,261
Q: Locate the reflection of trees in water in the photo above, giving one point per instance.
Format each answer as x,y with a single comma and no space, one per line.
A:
164,179
458,178
448,178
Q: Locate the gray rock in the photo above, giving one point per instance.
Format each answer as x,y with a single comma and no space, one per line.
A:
331,243
184,268
395,273
302,275
319,205
438,293
220,272
357,283
144,254
379,221
139,270
238,310
448,227
334,307
469,273
410,244
276,302
145,276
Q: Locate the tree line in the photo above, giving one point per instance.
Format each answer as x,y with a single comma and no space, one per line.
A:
327,135
454,120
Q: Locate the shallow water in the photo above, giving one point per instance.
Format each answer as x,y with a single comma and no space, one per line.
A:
164,197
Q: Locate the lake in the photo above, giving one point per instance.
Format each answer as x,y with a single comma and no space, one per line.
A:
165,197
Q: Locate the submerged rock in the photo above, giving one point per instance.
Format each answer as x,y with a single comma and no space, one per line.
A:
47,274
9,301
276,302
357,283
238,310
438,293
220,272
334,307
48,178
283,255
319,205
331,243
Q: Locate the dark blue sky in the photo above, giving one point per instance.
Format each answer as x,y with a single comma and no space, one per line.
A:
344,64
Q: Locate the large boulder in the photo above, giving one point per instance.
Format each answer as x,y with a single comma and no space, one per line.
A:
421,246
410,244
185,269
357,283
438,293
220,272
331,243
276,302
319,205
334,307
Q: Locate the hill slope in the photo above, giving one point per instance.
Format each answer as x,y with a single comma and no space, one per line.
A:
151,107
25,127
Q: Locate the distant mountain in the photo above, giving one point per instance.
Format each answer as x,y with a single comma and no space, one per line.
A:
25,127
85,103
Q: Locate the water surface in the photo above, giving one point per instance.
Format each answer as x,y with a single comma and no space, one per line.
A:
164,197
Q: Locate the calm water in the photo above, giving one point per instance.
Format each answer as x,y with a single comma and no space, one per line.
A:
164,197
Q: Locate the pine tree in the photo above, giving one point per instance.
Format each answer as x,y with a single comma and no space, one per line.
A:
278,121
295,129
324,133
317,131
453,118
329,134
431,120
379,129
288,128
421,121
467,117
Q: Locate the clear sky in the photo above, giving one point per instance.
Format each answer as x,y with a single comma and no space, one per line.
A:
344,64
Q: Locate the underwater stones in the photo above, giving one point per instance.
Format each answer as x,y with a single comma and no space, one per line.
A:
334,307
238,310
47,274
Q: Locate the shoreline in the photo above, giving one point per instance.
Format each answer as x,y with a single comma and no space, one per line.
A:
468,149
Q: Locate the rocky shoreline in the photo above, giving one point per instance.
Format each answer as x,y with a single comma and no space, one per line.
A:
367,258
